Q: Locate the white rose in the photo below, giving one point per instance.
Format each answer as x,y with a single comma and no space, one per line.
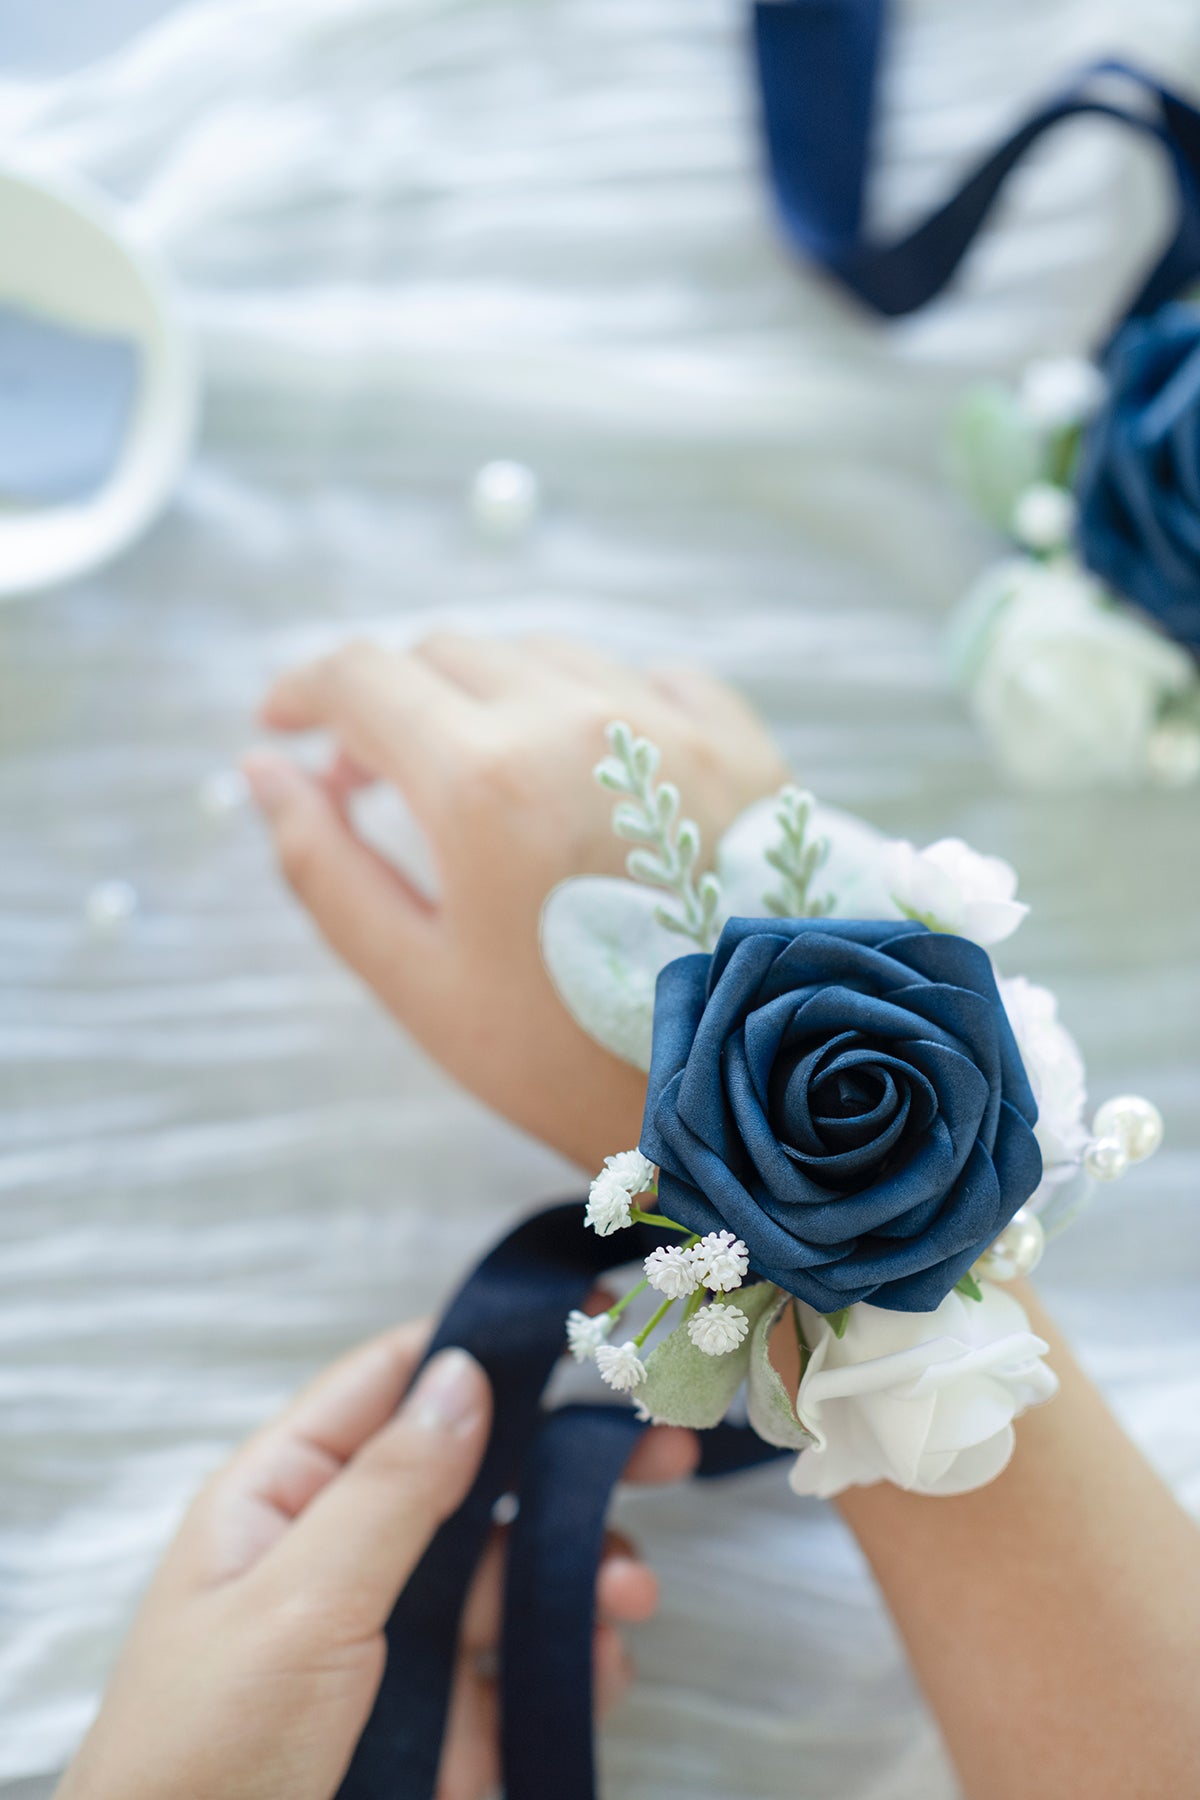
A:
1067,685
951,887
1054,1067
924,1400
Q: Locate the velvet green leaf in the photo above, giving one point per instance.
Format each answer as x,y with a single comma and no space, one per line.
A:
604,948
769,1407
683,1386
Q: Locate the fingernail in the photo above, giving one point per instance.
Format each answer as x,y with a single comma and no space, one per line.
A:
447,1395
271,779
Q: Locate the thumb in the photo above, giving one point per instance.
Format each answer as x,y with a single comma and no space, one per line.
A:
353,1549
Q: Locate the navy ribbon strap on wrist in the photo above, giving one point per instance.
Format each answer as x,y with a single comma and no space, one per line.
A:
510,1315
818,68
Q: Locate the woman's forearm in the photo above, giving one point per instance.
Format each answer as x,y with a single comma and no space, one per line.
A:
1053,1617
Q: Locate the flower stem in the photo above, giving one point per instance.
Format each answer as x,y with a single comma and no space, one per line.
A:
656,1320
660,1219
618,1307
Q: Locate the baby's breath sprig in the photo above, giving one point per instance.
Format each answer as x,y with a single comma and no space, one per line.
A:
667,847
797,860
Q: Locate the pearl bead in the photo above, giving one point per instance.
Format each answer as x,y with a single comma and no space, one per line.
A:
1105,1158
1017,1251
110,905
1044,516
1058,392
504,499
222,793
1135,1122
1173,753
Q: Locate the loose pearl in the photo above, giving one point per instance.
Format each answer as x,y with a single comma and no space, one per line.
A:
1173,753
504,499
110,905
1105,1158
222,793
1017,1251
1135,1122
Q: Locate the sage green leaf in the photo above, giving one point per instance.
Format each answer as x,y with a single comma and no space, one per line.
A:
604,947
769,1406
852,873
994,453
683,1386
969,1287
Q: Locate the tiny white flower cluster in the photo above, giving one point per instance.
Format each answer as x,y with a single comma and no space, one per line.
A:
621,1366
718,1261
716,1329
715,1264
612,1193
585,1334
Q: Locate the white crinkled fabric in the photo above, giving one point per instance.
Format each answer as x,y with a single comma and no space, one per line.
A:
416,235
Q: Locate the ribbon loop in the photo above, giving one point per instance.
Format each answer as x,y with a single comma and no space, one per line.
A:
563,1465
818,70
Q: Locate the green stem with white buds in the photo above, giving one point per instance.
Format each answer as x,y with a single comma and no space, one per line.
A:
667,848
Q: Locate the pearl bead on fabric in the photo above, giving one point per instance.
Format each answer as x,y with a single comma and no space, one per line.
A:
109,907
504,499
1016,1252
223,792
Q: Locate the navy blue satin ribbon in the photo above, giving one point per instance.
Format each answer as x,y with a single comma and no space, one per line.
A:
818,67
510,1315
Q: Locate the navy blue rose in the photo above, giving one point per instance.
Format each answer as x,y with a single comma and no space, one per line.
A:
1139,473
847,1096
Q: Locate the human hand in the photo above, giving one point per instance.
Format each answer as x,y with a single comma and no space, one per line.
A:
493,746
253,1664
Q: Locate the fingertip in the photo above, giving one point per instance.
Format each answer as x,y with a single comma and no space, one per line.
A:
667,1453
452,1396
274,780
627,1591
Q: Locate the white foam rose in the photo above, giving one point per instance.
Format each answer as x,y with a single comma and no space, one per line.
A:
951,887
1066,684
1054,1066
924,1400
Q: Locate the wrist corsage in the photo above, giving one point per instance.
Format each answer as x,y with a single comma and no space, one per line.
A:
1079,652
856,1132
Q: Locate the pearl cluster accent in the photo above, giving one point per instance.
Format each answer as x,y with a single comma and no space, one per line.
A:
1016,1252
1125,1130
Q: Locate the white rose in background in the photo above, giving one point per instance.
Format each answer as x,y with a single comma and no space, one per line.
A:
1067,686
951,887
1054,1066
924,1400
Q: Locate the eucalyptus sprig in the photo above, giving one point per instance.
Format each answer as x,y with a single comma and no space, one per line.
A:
668,847
797,860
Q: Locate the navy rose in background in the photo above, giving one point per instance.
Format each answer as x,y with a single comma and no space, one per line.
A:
1138,484
848,1098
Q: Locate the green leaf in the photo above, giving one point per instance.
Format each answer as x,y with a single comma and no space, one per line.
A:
838,1321
994,453
969,1286
683,1386
604,946
769,1405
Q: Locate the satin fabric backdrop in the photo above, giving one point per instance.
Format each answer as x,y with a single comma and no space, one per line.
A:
414,236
